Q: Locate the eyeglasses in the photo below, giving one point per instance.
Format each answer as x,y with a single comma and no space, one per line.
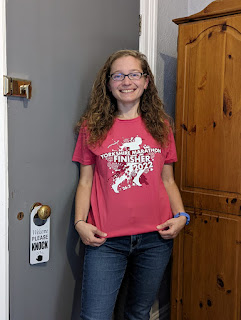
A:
131,76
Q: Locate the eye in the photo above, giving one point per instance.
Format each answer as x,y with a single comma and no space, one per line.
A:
135,75
117,76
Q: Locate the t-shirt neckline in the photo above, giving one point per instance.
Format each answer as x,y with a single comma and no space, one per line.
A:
128,120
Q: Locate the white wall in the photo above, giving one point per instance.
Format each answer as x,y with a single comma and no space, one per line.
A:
195,6
167,33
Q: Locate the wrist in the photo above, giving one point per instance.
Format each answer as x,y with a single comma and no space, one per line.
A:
183,214
78,221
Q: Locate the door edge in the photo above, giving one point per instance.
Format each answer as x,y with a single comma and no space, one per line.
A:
4,261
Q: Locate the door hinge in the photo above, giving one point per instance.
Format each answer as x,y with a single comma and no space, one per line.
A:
140,24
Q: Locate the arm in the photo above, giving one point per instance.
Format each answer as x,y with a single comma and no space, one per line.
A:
174,225
87,231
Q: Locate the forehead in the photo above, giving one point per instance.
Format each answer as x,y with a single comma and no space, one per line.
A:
128,63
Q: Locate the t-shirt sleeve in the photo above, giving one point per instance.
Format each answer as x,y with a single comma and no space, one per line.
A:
171,153
82,153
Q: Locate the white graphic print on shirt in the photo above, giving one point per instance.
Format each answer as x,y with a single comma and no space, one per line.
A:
129,163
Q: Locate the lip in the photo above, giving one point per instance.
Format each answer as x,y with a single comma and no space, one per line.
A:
127,90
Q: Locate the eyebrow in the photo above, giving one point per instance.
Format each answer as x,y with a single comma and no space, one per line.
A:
134,70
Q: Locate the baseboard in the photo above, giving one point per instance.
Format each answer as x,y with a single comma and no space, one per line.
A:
161,314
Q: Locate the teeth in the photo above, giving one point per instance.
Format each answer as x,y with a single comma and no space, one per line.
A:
126,91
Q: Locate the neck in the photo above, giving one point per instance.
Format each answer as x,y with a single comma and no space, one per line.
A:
128,113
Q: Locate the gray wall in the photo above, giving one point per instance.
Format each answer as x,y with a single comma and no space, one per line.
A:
59,45
167,50
167,33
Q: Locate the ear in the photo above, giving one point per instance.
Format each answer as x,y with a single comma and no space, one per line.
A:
146,82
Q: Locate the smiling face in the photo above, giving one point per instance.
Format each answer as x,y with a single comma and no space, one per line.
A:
127,92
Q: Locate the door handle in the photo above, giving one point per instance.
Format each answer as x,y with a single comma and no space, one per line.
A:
39,233
43,212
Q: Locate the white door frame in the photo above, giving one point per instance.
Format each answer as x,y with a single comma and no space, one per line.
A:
147,45
148,37
4,258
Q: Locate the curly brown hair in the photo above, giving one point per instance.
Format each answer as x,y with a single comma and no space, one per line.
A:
102,108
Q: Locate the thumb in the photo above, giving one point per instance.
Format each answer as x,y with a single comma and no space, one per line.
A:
163,225
100,233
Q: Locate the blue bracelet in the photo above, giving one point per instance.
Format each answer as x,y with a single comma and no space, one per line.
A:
179,214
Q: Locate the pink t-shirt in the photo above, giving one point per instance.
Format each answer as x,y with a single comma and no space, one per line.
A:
128,196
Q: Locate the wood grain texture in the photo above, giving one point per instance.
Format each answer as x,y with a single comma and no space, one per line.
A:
209,113
206,277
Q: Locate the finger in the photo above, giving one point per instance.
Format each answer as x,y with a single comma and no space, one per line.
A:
164,232
168,233
93,240
96,240
164,236
163,225
99,240
98,244
100,233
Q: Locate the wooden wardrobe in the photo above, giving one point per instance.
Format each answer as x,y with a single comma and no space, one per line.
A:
206,274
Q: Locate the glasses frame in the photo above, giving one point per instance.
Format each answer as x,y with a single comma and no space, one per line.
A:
127,75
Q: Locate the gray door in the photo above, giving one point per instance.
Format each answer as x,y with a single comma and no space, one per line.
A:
59,45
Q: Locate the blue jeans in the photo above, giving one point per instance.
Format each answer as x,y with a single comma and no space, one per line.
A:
104,267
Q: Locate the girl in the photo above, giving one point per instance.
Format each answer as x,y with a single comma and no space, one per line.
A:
128,207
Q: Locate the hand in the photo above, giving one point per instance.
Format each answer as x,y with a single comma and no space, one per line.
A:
171,228
88,232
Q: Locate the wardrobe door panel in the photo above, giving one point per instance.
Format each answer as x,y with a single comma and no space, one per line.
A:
209,115
207,257
211,285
